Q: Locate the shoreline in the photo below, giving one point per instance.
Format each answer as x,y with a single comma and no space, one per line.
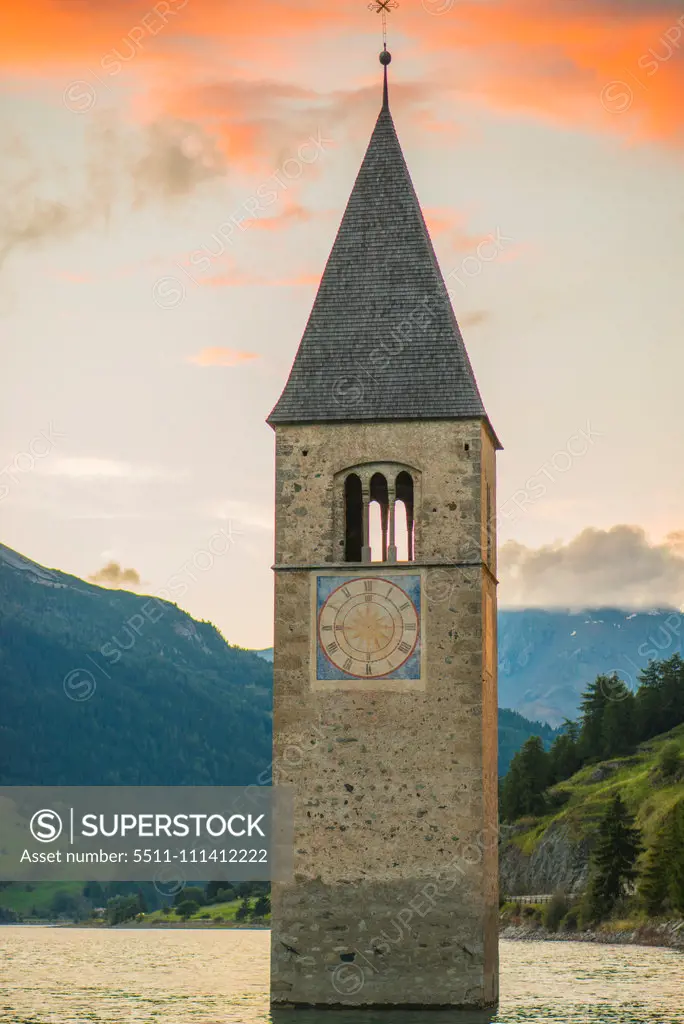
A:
668,934
153,926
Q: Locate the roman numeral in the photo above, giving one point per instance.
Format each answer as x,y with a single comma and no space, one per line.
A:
369,598
409,627
346,592
326,627
406,604
333,647
404,647
347,665
367,585
369,669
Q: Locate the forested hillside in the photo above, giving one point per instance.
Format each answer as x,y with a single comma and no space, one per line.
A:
103,687
602,811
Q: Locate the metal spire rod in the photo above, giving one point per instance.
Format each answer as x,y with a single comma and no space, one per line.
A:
383,7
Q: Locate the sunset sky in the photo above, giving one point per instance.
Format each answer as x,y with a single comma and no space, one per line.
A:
172,176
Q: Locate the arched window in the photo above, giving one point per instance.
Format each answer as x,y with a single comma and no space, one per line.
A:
404,521
353,518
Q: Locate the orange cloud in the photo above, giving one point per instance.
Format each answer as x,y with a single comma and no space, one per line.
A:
444,221
53,33
473,319
594,64
292,213
237,280
299,281
74,277
590,63
222,357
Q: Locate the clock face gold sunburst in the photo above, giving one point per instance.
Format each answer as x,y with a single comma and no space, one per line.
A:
368,627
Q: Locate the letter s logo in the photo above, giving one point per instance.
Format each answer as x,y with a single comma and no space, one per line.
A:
46,826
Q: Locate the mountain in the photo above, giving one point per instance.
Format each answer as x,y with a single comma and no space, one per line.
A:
104,687
546,657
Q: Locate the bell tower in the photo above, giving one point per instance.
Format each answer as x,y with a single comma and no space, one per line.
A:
385,701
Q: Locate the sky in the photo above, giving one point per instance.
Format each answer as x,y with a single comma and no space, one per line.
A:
172,176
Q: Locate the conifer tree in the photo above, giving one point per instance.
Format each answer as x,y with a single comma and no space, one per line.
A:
564,757
594,702
660,699
617,722
662,882
528,776
613,861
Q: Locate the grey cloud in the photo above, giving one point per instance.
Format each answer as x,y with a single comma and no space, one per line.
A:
617,567
164,161
124,168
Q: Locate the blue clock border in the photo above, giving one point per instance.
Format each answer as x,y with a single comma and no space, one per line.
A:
409,583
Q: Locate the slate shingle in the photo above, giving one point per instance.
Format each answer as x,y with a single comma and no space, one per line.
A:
382,341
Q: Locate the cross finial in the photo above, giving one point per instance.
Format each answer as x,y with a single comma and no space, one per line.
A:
383,7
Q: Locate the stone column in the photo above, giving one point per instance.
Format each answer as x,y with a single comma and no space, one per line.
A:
392,547
365,501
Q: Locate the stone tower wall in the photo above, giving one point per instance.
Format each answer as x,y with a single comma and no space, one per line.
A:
394,901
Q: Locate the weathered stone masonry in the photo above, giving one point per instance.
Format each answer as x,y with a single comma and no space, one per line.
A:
394,900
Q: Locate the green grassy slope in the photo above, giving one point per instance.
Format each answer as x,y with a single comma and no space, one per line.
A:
215,912
22,897
586,795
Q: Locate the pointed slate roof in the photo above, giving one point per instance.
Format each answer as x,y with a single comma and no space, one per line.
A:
382,341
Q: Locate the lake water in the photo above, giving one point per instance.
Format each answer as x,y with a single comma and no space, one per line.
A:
68,976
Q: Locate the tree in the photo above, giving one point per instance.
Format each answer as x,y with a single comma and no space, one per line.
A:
618,722
594,702
244,910
613,860
219,892
555,911
187,908
122,908
262,907
64,904
662,882
670,761
660,699
523,788
564,757
252,889
190,892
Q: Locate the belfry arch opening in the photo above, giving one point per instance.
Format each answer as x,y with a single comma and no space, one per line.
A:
353,519
379,523
404,525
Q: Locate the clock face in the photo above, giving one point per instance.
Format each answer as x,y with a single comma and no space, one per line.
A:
368,626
